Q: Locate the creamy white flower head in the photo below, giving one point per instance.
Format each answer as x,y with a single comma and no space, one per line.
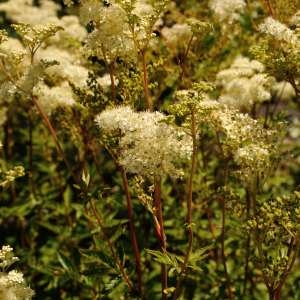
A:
105,81
110,38
52,97
278,30
90,10
73,30
12,45
11,49
6,257
227,9
14,277
69,67
12,287
12,284
254,157
147,20
237,127
121,118
243,84
149,147
295,19
177,36
241,67
53,53
22,11
283,90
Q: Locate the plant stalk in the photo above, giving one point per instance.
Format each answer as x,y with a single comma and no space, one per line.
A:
161,234
189,209
132,231
111,246
146,81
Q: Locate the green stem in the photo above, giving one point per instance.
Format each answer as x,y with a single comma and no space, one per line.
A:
145,81
189,209
184,58
111,246
223,203
30,153
248,242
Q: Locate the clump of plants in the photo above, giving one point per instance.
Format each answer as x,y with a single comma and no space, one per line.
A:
159,149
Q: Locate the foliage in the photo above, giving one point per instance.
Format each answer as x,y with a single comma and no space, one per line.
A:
150,149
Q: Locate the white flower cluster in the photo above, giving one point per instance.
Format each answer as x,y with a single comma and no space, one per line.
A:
283,90
6,257
227,10
295,19
121,29
246,140
22,11
12,284
238,127
149,146
57,48
278,30
177,36
110,38
68,69
52,97
244,84
253,157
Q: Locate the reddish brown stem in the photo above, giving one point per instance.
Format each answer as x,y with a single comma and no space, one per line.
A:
112,80
132,230
270,9
189,209
162,236
53,133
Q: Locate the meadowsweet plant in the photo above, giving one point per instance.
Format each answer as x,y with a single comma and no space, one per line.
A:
159,145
